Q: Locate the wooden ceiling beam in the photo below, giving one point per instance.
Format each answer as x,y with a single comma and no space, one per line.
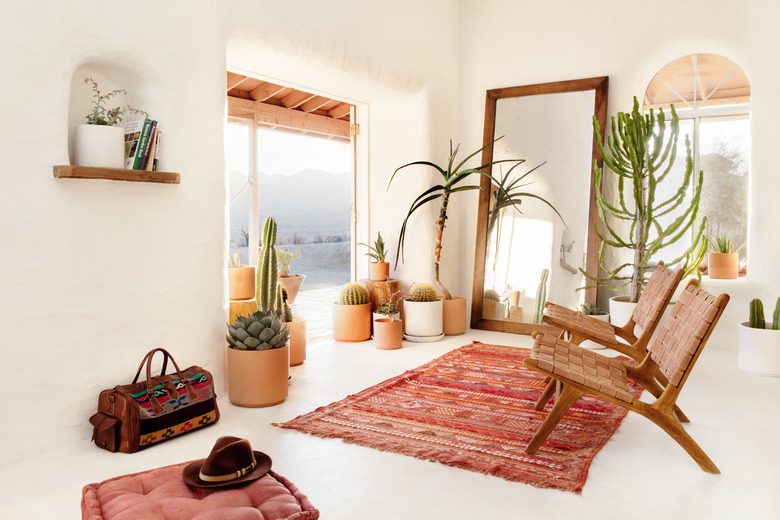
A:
234,80
314,103
265,91
287,118
340,110
296,99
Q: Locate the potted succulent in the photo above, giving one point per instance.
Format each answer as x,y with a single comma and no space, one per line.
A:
641,152
352,314
452,177
423,314
723,257
387,307
241,279
378,270
100,142
594,311
291,282
759,343
258,354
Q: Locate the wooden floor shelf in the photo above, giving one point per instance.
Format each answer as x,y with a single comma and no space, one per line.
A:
116,174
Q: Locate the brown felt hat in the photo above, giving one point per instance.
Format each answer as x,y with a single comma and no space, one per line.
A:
231,462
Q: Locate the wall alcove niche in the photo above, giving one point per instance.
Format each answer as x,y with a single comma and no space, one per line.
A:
81,103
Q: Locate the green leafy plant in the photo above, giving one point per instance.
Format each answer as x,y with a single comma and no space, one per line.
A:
388,303
378,250
723,243
641,152
233,257
101,114
260,331
422,292
354,294
285,258
452,176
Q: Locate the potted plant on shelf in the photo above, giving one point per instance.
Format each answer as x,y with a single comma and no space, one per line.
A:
291,282
241,279
258,354
452,177
378,270
423,314
594,311
640,152
759,344
723,258
352,314
100,142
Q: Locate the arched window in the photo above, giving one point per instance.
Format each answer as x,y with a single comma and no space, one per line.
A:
711,95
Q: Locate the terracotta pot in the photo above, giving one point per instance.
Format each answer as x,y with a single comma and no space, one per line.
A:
423,319
492,310
388,334
293,284
759,351
351,322
454,316
297,340
724,266
379,271
99,146
258,377
241,282
394,316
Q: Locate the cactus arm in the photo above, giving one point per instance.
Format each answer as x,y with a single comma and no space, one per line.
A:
266,268
756,314
776,316
541,296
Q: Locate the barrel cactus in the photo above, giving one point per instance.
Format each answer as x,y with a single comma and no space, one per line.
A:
266,290
260,331
756,314
491,294
354,294
422,292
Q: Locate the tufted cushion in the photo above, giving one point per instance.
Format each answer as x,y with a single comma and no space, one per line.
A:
161,494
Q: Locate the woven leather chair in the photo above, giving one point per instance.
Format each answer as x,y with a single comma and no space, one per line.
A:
647,315
673,354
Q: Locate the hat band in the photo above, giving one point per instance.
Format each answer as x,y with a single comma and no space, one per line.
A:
231,476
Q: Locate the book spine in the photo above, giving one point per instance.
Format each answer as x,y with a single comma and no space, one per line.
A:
149,161
157,151
148,147
139,155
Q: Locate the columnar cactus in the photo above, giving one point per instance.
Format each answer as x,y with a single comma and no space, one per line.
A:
260,331
776,316
266,268
756,314
541,296
422,292
354,294
285,310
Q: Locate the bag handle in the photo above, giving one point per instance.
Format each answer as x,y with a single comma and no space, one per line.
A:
147,356
156,406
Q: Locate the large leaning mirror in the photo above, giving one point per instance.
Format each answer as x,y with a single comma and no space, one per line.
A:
526,257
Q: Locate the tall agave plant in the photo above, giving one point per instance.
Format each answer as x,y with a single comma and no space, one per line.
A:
452,177
641,152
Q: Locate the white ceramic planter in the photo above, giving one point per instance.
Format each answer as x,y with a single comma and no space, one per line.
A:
759,351
423,319
620,310
99,146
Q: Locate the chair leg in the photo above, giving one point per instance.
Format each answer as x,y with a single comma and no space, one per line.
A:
548,392
675,430
567,398
651,385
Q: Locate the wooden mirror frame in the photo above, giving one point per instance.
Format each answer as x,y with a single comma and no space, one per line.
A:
600,86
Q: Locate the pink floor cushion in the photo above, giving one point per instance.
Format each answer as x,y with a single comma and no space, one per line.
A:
161,494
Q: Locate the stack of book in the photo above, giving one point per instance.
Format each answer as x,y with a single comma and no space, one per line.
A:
142,144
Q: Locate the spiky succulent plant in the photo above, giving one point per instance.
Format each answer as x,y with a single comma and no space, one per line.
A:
491,294
354,294
260,331
422,292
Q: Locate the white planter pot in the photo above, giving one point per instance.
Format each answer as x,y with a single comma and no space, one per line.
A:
99,146
602,317
759,351
620,310
423,319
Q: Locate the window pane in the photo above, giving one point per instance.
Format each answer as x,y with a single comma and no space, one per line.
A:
725,159
237,165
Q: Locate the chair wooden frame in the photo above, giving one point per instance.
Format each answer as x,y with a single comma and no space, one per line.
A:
662,358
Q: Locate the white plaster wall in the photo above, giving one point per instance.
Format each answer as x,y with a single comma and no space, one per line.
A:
94,273
506,43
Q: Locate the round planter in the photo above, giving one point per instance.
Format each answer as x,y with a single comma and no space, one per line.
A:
601,317
379,271
620,310
351,322
759,351
723,266
423,319
297,329
258,378
454,316
493,310
241,282
377,316
99,146
293,284
388,334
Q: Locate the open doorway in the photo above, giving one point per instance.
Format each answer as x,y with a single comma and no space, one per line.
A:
291,155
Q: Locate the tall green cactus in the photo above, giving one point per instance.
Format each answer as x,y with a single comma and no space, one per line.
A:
756,320
266,268
541,296
776,316
641,152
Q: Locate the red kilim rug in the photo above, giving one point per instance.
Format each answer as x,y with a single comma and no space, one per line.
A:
472,408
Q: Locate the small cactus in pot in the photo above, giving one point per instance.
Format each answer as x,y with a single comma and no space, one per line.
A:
352,314
354,294
422,292
423,313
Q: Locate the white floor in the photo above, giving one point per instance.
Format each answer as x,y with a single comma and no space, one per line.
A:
640,473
